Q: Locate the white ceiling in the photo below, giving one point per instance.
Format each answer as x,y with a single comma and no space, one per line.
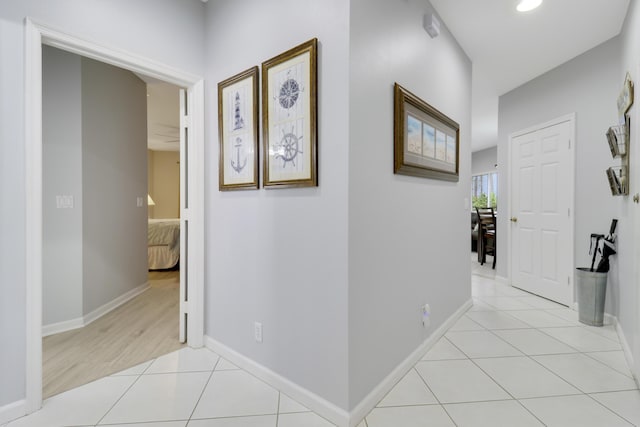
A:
163,116
509,48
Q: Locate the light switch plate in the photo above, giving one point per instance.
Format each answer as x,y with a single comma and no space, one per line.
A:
64,202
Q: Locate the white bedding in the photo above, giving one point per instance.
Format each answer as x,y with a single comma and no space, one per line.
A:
163,246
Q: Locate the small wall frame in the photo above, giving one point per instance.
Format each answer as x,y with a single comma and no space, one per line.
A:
426,142
238,131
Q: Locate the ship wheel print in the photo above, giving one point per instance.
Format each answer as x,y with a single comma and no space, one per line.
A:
289,148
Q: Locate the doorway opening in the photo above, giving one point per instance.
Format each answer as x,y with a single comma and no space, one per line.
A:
484,194
191,208
110,138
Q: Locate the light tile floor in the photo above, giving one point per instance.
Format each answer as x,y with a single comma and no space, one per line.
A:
512,360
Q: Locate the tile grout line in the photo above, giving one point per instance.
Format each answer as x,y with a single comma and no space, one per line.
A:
605,364
204,388
468,358
605,406
424,381
119,399
609,409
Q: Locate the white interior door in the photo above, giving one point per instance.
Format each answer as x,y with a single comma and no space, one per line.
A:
541,202
184,215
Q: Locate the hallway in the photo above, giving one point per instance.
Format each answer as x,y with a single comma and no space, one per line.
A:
512,360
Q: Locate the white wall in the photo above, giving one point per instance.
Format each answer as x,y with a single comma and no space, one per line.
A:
589,86
279,256
62,175
629,309
408,237
139,27
114,173
484,161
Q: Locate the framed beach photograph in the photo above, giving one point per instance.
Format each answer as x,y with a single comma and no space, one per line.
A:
426,142
238,131
289,118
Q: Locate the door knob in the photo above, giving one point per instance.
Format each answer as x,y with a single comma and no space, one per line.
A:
514,219
636,198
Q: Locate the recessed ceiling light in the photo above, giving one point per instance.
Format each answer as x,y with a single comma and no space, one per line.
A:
527,5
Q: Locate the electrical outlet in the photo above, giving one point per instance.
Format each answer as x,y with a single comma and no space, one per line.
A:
257,331
426,316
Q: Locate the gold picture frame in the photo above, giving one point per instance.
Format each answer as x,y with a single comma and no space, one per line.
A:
289,118
238,131
426,142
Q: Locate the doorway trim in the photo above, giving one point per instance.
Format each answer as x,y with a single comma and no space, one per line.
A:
571,118
36,35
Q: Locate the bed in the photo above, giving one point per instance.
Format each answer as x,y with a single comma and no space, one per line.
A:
163,243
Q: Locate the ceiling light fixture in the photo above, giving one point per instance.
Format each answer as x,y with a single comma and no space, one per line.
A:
527,5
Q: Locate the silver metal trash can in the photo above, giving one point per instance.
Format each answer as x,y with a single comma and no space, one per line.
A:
591,287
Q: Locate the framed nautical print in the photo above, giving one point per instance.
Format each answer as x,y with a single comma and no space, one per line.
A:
238,131
289,118
426,142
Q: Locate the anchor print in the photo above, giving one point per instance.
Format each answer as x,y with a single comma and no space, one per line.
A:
236,165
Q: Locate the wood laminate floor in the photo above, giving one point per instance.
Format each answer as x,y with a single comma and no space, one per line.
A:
142,329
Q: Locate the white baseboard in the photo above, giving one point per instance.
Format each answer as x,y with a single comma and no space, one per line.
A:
610,319
12,411
380,391
336,415
64,326
80,322
115,303
322,407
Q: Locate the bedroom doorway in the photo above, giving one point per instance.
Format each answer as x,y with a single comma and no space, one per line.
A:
191,214
101,295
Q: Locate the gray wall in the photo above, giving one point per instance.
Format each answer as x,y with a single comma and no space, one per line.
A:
484,161
114,173
62,175
408,237
94,137
589,86
139,27
280,256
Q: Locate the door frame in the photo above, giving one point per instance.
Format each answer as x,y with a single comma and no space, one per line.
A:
571,118
37,34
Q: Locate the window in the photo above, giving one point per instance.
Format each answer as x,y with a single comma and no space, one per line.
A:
484,190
